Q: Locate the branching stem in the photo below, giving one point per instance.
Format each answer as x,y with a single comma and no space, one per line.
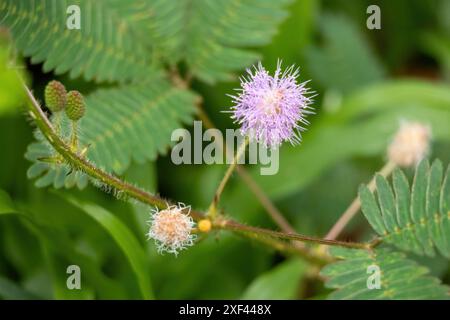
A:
269,237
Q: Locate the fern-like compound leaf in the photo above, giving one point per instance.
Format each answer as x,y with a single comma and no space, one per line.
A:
380,274
212,37
105,48
415,219
118,40
219,27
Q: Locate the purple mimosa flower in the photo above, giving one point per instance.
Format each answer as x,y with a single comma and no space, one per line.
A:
270,108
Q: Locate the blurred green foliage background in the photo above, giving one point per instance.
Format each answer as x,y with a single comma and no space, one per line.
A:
366,80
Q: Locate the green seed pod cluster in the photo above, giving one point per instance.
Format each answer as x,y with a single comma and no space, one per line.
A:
75,105
55,96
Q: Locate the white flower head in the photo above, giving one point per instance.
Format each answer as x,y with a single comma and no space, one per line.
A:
171,228
410,145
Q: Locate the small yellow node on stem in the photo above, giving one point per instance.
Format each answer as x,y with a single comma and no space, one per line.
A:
204,225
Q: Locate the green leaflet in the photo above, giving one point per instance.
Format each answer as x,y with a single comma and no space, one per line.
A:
215,30
400,278
105,48
133,122
411,219
159,24
121,124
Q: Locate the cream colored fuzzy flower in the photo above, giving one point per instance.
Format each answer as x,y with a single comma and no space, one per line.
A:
411,144
171,229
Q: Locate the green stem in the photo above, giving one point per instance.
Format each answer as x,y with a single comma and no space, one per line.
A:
212,211
286,247
231,225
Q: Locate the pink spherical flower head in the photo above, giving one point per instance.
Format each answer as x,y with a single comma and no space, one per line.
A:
269,108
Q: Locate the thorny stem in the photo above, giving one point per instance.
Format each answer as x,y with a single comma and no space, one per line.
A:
212,211
354,207
80,163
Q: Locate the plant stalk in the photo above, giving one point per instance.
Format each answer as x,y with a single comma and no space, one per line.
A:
212,211
354,207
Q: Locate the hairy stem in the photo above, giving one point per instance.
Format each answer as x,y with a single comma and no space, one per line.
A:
81,163
354,207
285,247
232,225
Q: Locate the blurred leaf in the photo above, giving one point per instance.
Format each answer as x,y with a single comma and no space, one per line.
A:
57,266
10,291
127,242
6,204
12,96
56,242
301,21
185,276
444,15
346,61
438,45
282,282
